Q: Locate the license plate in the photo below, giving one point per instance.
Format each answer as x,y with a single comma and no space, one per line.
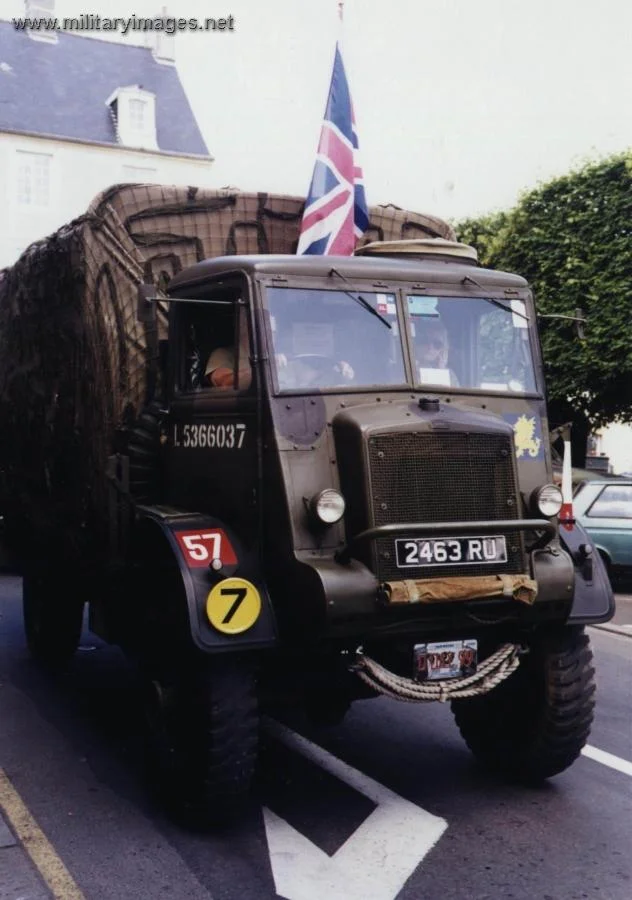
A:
445,659
414,552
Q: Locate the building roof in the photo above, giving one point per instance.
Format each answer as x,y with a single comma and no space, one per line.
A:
61,88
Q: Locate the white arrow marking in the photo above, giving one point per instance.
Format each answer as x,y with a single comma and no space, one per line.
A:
374,862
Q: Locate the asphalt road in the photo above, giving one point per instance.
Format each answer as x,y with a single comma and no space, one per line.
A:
409,815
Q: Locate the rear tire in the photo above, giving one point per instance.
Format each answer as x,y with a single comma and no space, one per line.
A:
52,619
535,724
202,731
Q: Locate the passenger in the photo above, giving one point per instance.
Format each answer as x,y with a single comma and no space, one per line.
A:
431,343
220,367
432,349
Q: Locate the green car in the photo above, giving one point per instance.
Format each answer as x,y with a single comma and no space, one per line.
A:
604,508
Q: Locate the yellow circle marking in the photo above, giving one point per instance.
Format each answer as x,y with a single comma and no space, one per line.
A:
233,605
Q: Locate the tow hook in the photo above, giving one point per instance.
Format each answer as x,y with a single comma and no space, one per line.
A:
584,561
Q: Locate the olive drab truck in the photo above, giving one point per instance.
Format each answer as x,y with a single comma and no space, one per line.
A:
362,505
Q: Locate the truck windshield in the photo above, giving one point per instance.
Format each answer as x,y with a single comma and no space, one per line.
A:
471,343
323,339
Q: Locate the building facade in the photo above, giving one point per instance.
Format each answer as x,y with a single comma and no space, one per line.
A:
78,114
615,443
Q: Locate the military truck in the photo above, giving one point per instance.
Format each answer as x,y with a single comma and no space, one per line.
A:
362,505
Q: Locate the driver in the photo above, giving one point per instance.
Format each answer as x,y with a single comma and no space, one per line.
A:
306,357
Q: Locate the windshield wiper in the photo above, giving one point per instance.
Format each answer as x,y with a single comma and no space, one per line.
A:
498,303
360,299
508,309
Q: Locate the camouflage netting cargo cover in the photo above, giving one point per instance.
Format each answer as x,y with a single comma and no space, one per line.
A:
76,365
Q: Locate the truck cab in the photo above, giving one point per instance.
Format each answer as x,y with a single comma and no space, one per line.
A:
386,423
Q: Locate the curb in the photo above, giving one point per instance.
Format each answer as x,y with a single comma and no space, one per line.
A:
623,630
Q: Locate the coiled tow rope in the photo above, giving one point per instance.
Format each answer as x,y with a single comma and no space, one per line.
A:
491,672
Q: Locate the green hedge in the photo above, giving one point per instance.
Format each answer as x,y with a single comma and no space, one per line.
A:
572,239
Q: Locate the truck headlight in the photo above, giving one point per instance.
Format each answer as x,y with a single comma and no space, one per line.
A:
328,506
548,500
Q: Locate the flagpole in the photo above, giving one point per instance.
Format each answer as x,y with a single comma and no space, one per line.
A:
335,214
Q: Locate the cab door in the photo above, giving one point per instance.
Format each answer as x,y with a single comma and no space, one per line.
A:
211,435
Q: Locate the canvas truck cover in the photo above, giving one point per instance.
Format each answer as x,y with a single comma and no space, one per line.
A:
77,366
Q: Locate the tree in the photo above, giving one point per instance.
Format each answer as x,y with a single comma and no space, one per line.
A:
571,238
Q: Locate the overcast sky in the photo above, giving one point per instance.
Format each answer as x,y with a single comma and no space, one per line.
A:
460,104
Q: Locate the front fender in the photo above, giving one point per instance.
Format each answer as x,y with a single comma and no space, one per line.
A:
593,600
190,535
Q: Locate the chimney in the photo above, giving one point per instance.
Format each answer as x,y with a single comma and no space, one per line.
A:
161,42
41,9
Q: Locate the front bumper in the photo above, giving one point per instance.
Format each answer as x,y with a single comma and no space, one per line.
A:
346,598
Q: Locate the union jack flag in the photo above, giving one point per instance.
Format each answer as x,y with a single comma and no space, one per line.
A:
336,214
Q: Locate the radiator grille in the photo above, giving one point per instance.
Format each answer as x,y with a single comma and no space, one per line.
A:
430,477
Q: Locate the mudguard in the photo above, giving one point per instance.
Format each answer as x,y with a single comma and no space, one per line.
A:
593,600
244,618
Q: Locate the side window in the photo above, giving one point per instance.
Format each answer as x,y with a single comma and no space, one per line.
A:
614,502
215,346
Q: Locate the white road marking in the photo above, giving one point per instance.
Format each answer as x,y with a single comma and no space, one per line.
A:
608,759
374,862
612,628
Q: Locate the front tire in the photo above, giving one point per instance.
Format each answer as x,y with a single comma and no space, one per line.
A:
202,731
53,619
535,724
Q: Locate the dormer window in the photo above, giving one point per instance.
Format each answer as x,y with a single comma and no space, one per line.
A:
133,112
137,115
